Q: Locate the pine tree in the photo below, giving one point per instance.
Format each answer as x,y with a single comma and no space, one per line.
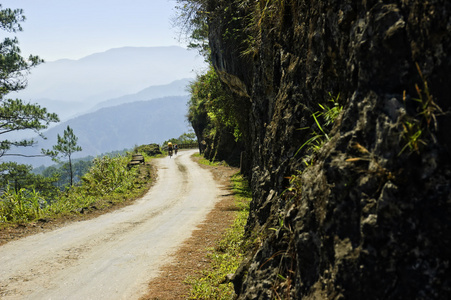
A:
15,115
66,146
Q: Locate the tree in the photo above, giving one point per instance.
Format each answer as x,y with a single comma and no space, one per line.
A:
65,147
15,175
15,115
20,176
187,138
192,21
211,104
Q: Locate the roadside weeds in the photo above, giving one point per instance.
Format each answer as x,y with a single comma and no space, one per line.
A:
198,269
11,232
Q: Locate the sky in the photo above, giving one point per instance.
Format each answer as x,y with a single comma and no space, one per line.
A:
72,29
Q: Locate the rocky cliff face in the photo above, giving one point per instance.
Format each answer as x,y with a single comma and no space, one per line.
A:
369,216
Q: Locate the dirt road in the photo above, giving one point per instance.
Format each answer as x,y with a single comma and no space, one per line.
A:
114,255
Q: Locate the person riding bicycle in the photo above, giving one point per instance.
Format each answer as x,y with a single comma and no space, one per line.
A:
176,148
170,148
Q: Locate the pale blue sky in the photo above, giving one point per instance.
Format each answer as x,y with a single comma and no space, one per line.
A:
57,29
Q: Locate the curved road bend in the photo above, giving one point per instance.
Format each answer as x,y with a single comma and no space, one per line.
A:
116,254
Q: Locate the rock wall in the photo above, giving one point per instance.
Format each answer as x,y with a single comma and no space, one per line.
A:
369,217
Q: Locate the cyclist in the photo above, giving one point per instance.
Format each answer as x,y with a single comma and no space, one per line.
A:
170,149
176,148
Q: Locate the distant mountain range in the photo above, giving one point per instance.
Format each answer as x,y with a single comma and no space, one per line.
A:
118,127
110,74
66,110
126,125
112,100
176,88
72,87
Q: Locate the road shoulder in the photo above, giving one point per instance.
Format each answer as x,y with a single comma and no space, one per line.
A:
191,258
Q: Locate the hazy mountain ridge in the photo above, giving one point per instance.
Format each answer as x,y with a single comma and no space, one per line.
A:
110,74
97,97
118,127
176,88
72,109
126,125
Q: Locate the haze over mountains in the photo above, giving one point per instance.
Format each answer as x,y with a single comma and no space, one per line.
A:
175,88
67,110
112,73
74,86
115,99
117,128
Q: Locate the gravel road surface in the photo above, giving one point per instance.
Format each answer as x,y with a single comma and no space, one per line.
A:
115,255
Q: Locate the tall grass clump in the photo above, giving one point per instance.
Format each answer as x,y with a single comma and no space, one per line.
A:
324,120
227,255
109,175
21,206
418,131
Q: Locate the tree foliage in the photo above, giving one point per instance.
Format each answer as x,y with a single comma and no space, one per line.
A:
16,115
18,177
196,18
216,115
185,138
62,172
108,181
192,19
65,147
211,103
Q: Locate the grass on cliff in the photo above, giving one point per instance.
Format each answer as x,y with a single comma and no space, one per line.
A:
227,254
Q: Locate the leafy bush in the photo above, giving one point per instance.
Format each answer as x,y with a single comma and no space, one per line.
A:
150,150
109,174
186,138
108,181
213,106
21,205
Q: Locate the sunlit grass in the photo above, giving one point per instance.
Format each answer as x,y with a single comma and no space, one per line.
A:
228,253
207,162
108,182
